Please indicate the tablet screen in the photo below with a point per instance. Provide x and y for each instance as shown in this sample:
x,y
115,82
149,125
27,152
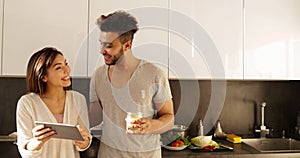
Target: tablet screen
x,y
64,131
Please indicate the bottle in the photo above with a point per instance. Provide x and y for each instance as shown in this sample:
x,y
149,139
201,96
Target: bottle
x,y
200,130
218,132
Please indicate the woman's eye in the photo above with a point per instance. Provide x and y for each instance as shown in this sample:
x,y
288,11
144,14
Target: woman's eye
x,y
57,68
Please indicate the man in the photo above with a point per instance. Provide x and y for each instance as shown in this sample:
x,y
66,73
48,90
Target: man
x,y
126,84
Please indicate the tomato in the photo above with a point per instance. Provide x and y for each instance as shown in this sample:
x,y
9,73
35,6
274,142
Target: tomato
x,y
181,143
175,144
206,147
209,148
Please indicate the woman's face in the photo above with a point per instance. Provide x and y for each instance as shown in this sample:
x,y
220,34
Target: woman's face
x,y
58,74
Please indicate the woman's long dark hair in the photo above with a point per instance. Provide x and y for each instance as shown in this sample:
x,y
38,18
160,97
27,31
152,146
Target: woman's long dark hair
x,y
36,69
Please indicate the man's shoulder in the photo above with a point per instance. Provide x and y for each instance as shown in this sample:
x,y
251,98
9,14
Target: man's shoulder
x,y
149,65
99,70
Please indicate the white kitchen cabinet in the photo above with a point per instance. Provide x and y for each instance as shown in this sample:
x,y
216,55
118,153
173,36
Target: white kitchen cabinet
x,y
32,25
272,39
150,42
206,39
1,20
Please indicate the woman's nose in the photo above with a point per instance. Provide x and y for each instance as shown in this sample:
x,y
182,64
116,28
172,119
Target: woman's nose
x,y
67,69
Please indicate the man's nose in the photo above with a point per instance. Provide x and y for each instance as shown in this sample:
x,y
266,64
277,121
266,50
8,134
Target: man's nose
x,y
102,49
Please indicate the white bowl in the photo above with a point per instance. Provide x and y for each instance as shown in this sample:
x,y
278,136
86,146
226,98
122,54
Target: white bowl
x,y
174,148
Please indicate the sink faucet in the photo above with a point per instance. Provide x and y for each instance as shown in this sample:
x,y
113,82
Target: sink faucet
x,y
263,130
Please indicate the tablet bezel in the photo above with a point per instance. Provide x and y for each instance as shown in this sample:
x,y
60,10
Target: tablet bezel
x,y
63,131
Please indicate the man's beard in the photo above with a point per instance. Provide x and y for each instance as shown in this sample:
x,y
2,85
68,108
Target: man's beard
x,y
117,59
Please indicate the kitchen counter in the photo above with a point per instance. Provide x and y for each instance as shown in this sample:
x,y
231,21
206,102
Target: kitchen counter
x,y
240,151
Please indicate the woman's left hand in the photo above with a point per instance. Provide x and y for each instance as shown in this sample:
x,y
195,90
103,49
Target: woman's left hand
x,y
85,143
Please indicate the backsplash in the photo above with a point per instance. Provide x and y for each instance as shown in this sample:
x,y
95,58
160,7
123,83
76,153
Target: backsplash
x,y
240,113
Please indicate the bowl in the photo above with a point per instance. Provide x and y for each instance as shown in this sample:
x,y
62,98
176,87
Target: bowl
x,y
181,130
171,135
174,148
201,141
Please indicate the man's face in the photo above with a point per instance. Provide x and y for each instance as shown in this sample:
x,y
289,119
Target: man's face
x,y
110,47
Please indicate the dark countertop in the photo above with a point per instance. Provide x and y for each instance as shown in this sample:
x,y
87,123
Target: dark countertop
x,y
240,150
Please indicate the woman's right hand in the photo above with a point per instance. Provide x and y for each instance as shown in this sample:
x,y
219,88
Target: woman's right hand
x,y
40,134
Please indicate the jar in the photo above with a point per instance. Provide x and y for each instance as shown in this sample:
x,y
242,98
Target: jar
x,y
131,117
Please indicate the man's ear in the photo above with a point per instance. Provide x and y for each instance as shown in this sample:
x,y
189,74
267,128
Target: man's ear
x,y
127,45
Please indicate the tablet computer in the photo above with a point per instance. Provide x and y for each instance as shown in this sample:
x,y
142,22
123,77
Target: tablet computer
x,y
63,131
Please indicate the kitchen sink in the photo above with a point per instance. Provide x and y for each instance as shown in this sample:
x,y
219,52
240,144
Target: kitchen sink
x,y
274,144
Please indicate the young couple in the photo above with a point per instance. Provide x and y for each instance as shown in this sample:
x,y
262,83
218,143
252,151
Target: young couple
x,y
124,84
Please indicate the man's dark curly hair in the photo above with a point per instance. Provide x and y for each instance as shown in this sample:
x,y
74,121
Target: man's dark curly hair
x,y
121,22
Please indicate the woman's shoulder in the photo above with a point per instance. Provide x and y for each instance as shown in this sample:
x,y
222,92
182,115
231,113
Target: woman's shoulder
x,y
27,100
29,96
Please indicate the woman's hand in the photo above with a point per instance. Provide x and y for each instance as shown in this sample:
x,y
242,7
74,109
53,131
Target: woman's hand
x,y
85,143
40,134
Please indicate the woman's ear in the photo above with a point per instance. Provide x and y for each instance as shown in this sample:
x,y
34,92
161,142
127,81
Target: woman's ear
x,y
44,79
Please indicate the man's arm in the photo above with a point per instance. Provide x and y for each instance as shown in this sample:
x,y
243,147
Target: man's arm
x,y
165,117
95,113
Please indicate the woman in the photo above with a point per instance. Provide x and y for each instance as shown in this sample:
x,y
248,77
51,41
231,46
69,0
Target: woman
x,y
48,76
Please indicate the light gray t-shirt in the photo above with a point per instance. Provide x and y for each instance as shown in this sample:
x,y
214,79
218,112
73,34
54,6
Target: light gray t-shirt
x,y
147,86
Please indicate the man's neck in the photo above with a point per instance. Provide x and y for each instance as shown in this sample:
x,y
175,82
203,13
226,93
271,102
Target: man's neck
x,y
127,62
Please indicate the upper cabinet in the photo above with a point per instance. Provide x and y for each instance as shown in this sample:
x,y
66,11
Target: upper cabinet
x,y
150,42
206,39
32,25
272,39
192,39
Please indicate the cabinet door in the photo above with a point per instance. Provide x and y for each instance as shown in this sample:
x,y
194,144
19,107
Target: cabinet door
x,y
206,39
1,20
272,39
150,42
32,25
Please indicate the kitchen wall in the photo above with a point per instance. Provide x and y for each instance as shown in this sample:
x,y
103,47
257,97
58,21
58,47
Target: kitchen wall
x,y
240,113
241,110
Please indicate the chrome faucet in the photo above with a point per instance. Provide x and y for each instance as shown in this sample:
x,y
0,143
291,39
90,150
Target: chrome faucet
x,y
263,130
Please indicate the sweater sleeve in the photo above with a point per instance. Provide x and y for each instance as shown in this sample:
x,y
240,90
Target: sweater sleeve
x,y
24,127
83,119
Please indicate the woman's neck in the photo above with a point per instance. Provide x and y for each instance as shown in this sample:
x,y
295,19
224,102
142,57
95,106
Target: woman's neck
x,y
54,94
